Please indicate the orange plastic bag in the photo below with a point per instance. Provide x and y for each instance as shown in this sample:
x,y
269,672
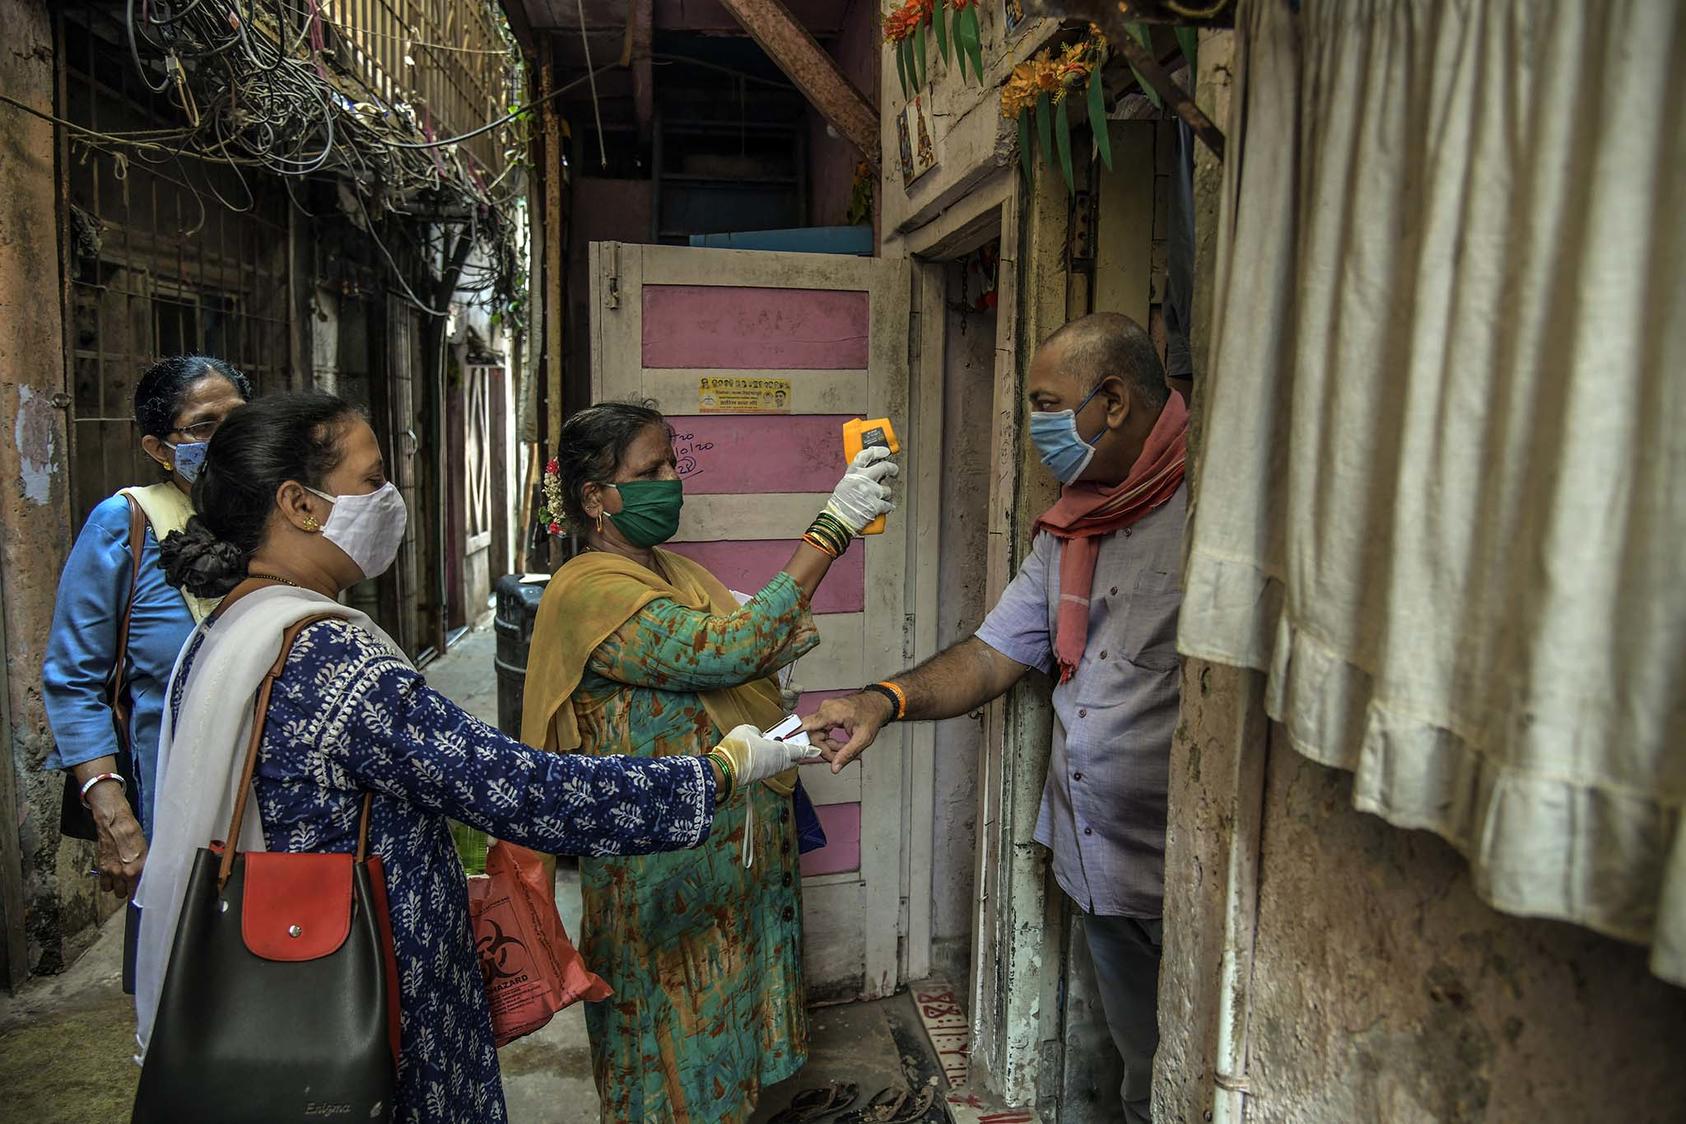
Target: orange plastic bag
x,y
530,968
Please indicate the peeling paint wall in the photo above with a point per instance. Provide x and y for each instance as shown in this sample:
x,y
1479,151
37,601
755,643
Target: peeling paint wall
x,y
34,493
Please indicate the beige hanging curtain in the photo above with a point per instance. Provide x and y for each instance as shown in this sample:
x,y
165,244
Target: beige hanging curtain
x,y
1441,498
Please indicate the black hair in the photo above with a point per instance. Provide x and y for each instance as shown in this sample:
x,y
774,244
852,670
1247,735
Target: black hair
x,y
1109,343
258,448
160,393
592,444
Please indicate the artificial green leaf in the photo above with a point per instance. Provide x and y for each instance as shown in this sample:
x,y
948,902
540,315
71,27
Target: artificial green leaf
x,y
974,41
962,28
1097,117
1062,137
1189,40
1138,32
1024,145
1152,94
939,20
919,56
901,69
1044,126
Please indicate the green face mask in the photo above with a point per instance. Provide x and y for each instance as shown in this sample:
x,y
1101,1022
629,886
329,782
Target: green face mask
x,y
649,513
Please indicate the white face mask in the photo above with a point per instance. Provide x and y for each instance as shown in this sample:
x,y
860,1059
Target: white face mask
x,y
369,528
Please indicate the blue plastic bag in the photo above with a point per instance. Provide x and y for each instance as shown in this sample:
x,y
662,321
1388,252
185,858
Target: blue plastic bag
x,y
810,834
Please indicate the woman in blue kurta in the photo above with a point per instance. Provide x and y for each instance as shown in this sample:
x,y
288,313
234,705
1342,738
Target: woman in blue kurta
x,y
295,508
179,402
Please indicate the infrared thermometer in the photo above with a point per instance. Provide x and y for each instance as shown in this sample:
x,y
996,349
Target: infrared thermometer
x,y
865,433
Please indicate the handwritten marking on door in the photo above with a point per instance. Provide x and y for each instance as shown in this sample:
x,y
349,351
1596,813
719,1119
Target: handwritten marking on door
x,y
686,447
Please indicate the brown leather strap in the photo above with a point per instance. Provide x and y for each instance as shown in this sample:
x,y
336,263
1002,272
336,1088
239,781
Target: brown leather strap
x,y
260,718
119,668
363,827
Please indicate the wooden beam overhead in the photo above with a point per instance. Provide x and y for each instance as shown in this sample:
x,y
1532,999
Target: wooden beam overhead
x,y
813,71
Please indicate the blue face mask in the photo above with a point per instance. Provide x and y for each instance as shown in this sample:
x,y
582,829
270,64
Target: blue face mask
x,y
1064,450
189,458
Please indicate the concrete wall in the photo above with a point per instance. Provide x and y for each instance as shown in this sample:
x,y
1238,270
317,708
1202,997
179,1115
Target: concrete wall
x,y
1381,988
1385,990
42,877
969,135
968,379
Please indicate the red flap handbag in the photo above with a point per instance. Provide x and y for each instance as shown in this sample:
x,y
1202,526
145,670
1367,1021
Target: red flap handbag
x,y
280,1002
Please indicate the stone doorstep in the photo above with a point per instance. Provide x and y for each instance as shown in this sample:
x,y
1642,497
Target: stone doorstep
x,y
950,1035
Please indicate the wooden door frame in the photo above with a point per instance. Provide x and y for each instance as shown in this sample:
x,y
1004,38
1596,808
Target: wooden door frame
x,y
617,271
1016,967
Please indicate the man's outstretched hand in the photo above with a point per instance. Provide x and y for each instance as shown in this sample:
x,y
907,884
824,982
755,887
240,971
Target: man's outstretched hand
x,y
860,716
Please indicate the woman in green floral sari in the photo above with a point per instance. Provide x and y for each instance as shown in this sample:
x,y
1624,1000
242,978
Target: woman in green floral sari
x,y
638,650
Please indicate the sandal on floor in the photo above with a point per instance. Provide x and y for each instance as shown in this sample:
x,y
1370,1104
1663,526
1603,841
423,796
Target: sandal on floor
x,y
893,1106
811,1104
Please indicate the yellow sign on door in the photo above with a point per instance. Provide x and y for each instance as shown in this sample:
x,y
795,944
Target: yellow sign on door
x,y
742,394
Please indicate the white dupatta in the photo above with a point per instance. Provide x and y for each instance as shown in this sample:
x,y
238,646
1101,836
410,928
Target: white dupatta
x,y
201,754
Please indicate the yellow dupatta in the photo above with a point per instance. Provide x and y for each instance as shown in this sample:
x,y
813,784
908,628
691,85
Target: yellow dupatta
x,y
168,509
590,598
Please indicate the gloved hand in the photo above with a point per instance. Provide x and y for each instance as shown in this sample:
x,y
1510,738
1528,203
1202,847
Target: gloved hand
x,y
790,696
862,496
755,758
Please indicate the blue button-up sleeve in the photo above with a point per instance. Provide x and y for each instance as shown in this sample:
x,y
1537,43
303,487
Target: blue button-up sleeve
x,y
1018,625
92,592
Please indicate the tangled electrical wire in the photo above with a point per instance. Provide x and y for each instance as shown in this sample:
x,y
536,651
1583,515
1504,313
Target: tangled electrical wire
x,y
275,86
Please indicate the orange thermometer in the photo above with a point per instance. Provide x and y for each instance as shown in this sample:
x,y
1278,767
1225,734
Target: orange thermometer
x,y
864,433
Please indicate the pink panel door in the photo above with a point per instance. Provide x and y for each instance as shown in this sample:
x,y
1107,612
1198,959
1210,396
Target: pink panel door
x,y
758,359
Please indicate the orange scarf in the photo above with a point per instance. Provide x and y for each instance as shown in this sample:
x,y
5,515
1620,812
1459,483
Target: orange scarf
x,y
1085,512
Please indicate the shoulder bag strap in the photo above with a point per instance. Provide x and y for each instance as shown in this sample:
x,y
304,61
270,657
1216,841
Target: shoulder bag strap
x,y
119,668
260,718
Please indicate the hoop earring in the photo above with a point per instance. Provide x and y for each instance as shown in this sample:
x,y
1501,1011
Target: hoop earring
x,y
600,522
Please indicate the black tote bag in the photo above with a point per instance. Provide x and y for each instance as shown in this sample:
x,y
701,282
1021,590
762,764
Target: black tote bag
x,y
280,1001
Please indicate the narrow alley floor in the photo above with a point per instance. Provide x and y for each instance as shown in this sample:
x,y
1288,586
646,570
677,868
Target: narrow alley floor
x,y
66,1041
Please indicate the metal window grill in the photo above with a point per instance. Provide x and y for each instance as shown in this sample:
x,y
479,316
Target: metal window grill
x,y
164,256
447,58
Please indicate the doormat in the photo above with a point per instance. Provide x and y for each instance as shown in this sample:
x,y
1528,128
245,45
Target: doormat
x,y
951,1037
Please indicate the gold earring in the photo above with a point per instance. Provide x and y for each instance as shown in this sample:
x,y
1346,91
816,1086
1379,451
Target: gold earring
x,y
169,466
600,522
310,524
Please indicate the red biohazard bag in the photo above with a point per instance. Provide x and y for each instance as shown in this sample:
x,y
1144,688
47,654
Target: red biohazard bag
x,y
530,968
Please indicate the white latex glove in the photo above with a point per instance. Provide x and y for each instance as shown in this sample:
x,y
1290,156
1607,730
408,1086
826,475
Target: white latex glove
x,y
755,758
862,496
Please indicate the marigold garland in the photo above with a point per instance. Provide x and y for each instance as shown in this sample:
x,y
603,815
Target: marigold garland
x,y
1056,77
902,22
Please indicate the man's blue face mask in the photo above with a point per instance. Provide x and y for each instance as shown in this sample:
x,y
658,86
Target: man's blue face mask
x,y
1065,451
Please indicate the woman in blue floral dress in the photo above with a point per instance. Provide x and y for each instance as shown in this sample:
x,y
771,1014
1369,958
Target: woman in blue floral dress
x,y
294,508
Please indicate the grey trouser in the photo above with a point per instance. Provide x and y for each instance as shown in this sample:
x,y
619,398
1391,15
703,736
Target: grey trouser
x,y
1125,951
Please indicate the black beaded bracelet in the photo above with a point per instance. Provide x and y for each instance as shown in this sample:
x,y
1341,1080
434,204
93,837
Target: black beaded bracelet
x,y
895,703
